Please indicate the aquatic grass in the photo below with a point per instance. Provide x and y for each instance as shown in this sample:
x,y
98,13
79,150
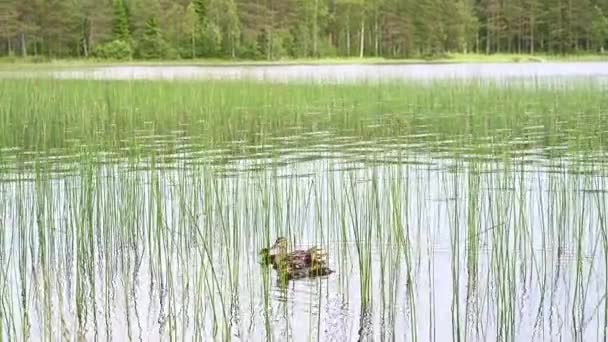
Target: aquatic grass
x,y
453,199
372,210
46,114
600,202
140,213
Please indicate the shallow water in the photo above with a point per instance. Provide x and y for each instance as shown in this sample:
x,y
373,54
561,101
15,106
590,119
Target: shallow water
x,y
432,238
134,243
337,73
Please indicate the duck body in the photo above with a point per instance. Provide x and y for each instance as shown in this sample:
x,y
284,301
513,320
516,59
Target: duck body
x,y
298,259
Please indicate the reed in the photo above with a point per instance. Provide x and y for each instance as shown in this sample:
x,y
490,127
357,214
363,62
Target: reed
x,y
449,210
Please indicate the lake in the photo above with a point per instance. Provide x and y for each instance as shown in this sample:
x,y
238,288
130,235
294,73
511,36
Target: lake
x,y
134,207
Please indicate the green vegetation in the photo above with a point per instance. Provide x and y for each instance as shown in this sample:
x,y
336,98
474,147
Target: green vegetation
x,y
279,29
39,115
116,49
136,209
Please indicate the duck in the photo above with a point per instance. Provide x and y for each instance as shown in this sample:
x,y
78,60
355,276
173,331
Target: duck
x,y
277,255
297,264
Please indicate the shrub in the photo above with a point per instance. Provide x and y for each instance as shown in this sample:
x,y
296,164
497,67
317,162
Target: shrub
x,y
116,49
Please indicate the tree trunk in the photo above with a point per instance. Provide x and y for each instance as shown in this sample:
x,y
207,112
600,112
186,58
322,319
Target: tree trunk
x,y
315,33
362,46
498,37
193,44
23,45
348,40
85,47
269,46
488,37
519,39
532,36
376,36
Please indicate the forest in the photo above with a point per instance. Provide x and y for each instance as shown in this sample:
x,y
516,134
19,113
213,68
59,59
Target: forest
x,y
278,29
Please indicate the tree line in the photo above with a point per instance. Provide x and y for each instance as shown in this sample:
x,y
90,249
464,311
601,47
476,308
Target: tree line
x,y
274,29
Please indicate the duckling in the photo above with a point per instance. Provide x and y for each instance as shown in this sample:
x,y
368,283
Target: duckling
x,y
297,271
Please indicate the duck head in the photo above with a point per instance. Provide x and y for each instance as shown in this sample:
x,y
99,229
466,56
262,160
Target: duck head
x,y
280,246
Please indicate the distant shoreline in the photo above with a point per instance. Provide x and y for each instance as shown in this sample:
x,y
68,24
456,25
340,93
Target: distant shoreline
x,y
8,62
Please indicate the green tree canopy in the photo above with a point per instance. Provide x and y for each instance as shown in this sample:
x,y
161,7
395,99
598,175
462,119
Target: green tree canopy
x,y
272,29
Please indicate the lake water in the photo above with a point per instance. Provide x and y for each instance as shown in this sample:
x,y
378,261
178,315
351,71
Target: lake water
x,y
336,73
430,240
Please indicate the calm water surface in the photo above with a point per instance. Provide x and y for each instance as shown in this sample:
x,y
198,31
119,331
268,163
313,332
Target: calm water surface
x,y
336,73
430,242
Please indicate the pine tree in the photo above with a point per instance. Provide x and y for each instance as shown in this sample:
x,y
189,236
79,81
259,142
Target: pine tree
x,y
493,20
193,29
532,21
453,32
271,29
152,44
430,27
231,29
120,24
97,24
9,24
200,7
29,25
61,27
397,28
175,28
471,25
557,32
599,29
